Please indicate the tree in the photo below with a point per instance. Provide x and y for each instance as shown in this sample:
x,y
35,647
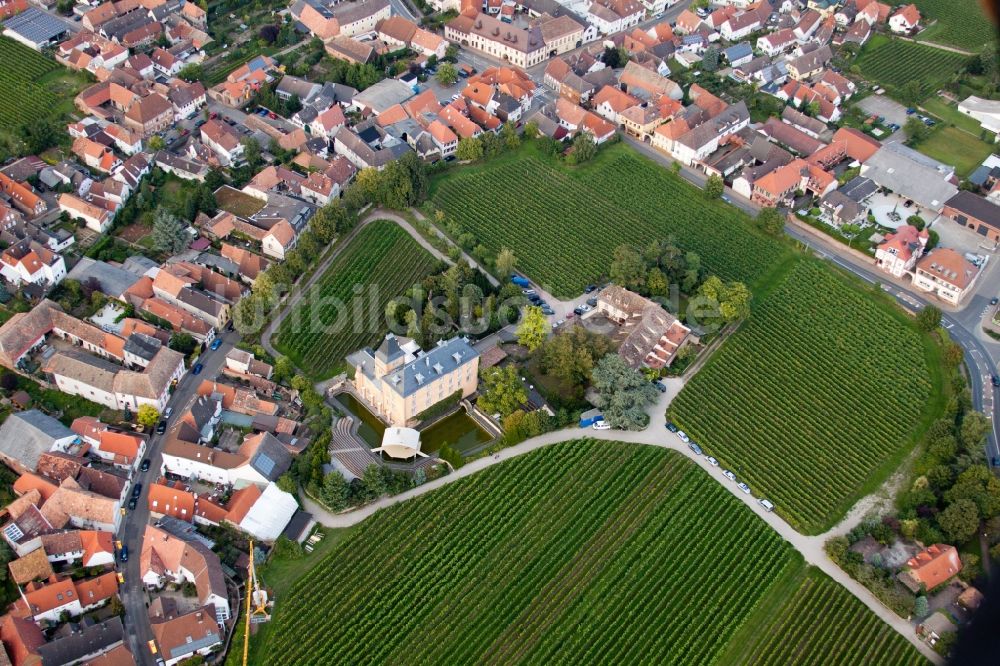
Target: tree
x,y
920,607
534,328
530,130
373,482
446,74
928,319
505,262
335,490
469,149
710,61
156,142
615,57
284,369
771,221
916,130
287,483
183,342
509,136
623,393
584,148
169,234
504,391
269,33
975,426
714,187
628,268
251,153
39,135
912,93
960,520
656,283
572,354
191,72
147,415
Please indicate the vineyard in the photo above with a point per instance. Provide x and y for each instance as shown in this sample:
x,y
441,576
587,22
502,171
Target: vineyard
x,y
894,63
563,227
582,552
21,98
959,23
334,319
808,628
815,396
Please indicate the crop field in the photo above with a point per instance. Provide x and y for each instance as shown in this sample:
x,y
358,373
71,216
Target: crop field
x,y
333,319
563,226
815,396
894,63
808,628
582,552
21,98
959,23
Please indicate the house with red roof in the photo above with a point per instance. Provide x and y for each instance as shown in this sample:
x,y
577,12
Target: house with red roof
x,y
931,568
897,254
906,20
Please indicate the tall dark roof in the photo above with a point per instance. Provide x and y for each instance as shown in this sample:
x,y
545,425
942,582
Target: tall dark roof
x,y
976,206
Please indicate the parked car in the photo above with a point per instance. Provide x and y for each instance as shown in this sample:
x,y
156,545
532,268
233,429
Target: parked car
x,y
132,502
729,475
578,311
585,307
671,427
601,425
694,447
995,380
767,505
910,111
528,292
144,467
660,386
592,302
994,300
547,311
161,427
590,288
559,323
744,487
230,326
216,343
196,370
683,436
167,412
123,554
136,490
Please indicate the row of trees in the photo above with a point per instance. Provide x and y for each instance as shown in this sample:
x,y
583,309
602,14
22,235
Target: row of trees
x,y
488,145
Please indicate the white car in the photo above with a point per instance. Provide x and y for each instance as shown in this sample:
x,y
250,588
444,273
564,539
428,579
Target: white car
x,y
683,436
585,307
559,323
744,487
601,425
712,461
729,475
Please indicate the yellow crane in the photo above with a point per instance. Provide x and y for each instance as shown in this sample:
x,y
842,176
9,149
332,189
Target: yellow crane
x,y
257,604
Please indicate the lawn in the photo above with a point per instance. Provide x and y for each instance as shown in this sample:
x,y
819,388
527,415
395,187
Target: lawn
x,y
335,318
948,112
893,63
583,552
816,398
564,223
959,23
952,145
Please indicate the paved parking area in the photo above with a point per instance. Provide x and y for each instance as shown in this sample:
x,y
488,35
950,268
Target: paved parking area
x,y
956,236
892,111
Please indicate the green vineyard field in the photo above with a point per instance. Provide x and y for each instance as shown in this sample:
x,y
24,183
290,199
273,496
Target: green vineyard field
x,y
334,320
815,394
894,63
581,553
959,23
21,98
564,226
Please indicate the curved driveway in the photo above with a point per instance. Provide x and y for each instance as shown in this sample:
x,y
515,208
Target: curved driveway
x,y
811,547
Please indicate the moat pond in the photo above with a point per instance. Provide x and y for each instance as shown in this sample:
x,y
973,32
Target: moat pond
x,y
459,429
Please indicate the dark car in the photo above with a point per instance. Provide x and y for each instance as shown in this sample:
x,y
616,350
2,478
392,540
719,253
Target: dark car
x,y
590,288
136,490
230,326
144,467
578,311
660,386
132,503
671,427
995,380
592,302
216,343
994,300
161,427
123,554
196,370
910,111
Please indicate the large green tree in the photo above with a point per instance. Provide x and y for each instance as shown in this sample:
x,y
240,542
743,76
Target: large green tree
x,y
169,234
503,391
534,328
623,393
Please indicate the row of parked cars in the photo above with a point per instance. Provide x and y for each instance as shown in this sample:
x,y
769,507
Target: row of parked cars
x,y
715,463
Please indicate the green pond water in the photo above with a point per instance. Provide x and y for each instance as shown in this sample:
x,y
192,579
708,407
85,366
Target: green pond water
x,y
459,430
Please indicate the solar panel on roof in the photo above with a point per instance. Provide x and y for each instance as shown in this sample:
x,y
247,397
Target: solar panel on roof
x,y
264,464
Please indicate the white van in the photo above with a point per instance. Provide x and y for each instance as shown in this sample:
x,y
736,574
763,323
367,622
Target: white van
x,y
767,505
